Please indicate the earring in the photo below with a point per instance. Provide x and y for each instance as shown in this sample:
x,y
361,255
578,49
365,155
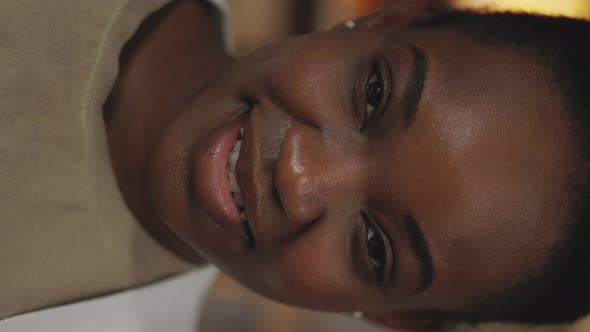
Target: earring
x,y
350,24
357,314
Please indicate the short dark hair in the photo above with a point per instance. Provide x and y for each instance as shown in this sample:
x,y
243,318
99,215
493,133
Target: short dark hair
x,y
562,293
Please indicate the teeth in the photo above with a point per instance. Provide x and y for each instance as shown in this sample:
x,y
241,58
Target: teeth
x,y
242,132
234,188
243,215
231,167
233,183
238,199
234,155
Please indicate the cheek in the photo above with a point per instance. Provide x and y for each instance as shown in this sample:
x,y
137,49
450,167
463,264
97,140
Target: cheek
x,y
315,271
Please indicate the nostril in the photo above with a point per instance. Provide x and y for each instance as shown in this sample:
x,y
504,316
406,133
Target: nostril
x,y
249,101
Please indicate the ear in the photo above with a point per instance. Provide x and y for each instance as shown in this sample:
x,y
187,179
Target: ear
x,y
403,13
409,322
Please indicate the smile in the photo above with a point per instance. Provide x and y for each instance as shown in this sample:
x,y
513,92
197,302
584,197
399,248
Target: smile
x,y
216,185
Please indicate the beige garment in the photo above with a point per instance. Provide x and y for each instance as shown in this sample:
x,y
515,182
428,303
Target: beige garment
x,y
65,233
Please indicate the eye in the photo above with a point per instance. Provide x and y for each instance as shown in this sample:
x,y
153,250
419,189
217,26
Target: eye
x,y
374,95
376,251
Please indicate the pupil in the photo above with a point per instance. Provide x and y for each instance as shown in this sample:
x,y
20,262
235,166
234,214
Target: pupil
x,y
374,93
376,249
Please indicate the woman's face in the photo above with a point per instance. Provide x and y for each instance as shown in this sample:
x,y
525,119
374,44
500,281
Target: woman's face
x,y
379,170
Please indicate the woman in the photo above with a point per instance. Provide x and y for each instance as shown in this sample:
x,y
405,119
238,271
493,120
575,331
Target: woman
x,y
422,170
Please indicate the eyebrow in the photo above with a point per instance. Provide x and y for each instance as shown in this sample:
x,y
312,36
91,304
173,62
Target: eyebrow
x,y
420,247
413,94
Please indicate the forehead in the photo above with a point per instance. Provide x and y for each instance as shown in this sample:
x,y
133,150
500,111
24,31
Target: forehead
x,y
497,112
490,157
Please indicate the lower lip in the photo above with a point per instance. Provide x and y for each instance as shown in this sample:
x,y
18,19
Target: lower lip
x,y
210,174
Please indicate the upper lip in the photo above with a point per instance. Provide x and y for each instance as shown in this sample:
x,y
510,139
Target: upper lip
x,y
267,223
245,174
254,173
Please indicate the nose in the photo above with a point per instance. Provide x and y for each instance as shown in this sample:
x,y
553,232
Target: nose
x,y
299,174
314,174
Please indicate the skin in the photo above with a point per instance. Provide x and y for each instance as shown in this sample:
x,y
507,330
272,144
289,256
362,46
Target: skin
x,y
482,169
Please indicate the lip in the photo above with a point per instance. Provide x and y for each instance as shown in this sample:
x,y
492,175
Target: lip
x,y
209,174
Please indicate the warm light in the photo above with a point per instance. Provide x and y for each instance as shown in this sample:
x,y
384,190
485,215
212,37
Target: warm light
x,y
572,8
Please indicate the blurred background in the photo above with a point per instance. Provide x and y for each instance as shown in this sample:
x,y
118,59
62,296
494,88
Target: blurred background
x,y
258,22
231,308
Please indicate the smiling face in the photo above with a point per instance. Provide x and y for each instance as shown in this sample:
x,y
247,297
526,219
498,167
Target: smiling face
x,y
379,169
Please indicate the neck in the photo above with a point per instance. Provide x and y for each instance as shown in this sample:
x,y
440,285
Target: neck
x,y
173,54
